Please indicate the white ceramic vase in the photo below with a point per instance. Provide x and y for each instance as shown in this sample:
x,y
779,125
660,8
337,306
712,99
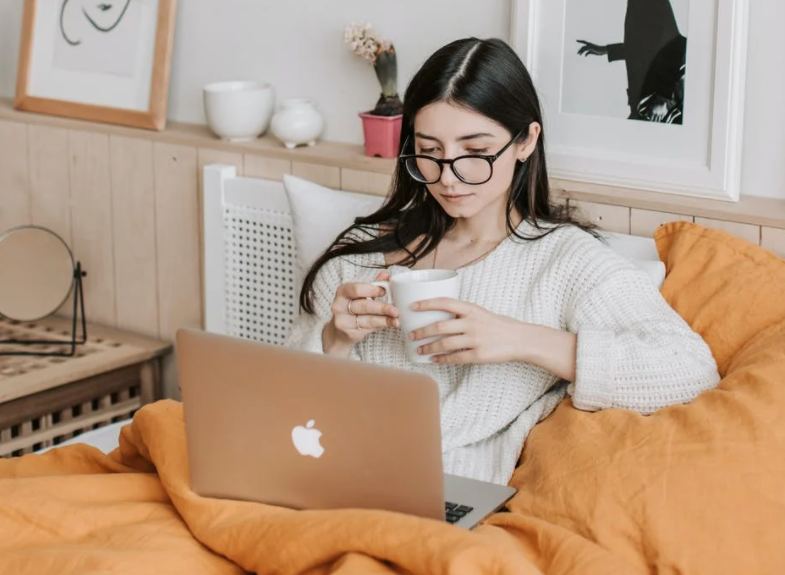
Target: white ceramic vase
x,y
298,122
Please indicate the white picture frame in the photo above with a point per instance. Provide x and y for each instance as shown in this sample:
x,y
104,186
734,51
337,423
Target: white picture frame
x,y
700,158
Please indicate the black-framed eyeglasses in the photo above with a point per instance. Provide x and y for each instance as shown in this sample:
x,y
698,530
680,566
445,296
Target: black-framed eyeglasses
x,y
472,169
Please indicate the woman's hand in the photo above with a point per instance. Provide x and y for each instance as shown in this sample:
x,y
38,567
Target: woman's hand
x,y
477,335
356,315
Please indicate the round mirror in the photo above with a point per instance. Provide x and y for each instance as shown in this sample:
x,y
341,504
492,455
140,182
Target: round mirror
x,y
37,273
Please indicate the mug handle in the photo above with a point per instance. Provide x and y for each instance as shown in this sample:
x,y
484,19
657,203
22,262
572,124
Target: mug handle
x,y
386,285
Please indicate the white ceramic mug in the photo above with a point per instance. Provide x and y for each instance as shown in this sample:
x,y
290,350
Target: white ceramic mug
x,y
406,288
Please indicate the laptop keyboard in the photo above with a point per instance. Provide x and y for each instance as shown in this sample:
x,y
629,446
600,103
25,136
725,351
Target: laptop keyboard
x,y
455,512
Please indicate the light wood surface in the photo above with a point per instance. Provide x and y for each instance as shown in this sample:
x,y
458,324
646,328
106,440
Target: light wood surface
x,y
49,187
177,238
256,166
773,240
133,203
92,239
609,218
644,222
750,209
365,182
329,176
112,349
14,176
745,231
177,235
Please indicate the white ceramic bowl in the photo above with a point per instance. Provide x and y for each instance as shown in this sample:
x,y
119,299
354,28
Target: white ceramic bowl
x,y
238,111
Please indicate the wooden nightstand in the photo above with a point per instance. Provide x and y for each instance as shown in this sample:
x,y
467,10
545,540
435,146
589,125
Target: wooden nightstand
x,y
46,400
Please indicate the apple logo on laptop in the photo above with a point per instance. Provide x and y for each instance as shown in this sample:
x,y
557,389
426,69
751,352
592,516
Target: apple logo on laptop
x,y
306,440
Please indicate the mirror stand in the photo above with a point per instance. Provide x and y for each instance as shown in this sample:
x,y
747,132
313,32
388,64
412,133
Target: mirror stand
x,y
77,318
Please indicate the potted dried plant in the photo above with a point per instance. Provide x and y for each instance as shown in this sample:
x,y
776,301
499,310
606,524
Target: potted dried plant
x,y
382,125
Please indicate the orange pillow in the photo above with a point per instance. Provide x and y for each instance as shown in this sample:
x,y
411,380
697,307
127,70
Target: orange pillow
x,y
726,288
694,488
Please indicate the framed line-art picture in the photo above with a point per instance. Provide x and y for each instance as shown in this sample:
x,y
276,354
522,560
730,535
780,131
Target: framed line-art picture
x,y
105,61
645,94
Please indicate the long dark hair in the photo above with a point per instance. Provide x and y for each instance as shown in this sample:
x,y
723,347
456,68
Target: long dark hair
x,y
486,76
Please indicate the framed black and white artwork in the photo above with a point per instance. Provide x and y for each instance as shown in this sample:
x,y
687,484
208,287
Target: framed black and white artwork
x,y
105,61
645,94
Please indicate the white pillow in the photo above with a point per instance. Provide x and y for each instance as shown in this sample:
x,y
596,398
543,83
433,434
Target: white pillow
x,y
640,251
320,214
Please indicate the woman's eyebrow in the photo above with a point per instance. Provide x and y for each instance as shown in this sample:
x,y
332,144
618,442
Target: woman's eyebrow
x,y
461,139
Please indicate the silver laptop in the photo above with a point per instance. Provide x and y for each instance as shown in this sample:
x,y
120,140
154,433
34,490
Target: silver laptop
x,y
309,431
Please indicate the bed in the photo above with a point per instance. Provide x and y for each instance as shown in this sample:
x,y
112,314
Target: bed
x,y
694,488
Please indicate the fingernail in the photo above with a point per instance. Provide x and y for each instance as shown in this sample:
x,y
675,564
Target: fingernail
x,y
419,350
411,336
396,323
415,306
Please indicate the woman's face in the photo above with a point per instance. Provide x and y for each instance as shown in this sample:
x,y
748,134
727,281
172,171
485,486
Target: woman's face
x,y
446,131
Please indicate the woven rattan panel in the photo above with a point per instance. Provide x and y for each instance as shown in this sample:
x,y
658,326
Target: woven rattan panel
x,y
260,273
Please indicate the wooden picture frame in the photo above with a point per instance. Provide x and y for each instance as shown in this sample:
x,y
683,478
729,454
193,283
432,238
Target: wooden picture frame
x,y
41,85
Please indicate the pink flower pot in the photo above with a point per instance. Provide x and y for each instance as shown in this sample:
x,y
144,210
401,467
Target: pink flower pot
x,y
382,135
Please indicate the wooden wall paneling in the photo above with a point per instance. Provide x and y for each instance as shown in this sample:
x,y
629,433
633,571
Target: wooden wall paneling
x,y
49,181
773,239
49,186
329,176
91,222
365,182
14,176
177,240
645,222
256,166
608,218
748,232
133,195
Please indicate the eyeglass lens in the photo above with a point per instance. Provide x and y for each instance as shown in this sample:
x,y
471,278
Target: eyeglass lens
x,y
470,170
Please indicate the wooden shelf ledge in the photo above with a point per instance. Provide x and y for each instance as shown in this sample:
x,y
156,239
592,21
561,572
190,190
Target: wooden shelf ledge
x,y
198,135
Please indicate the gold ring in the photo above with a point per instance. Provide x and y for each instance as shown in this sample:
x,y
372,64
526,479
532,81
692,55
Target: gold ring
x,y
349,307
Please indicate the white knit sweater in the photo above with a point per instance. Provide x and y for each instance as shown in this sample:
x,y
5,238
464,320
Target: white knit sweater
x,y
634,352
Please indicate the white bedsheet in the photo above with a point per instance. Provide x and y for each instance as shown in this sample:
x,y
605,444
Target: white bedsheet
x,y
104,438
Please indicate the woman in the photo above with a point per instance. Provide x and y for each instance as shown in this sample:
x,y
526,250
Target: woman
x,y
543,302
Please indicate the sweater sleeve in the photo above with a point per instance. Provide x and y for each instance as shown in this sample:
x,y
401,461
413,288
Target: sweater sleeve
x,y
634,351
306,330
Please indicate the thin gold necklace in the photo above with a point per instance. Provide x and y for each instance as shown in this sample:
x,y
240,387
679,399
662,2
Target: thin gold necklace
x,y
475,260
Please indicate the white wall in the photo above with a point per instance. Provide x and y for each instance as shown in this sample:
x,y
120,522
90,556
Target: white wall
x,y
297,45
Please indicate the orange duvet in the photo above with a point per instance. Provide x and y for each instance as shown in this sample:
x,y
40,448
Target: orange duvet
x,y
695,489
